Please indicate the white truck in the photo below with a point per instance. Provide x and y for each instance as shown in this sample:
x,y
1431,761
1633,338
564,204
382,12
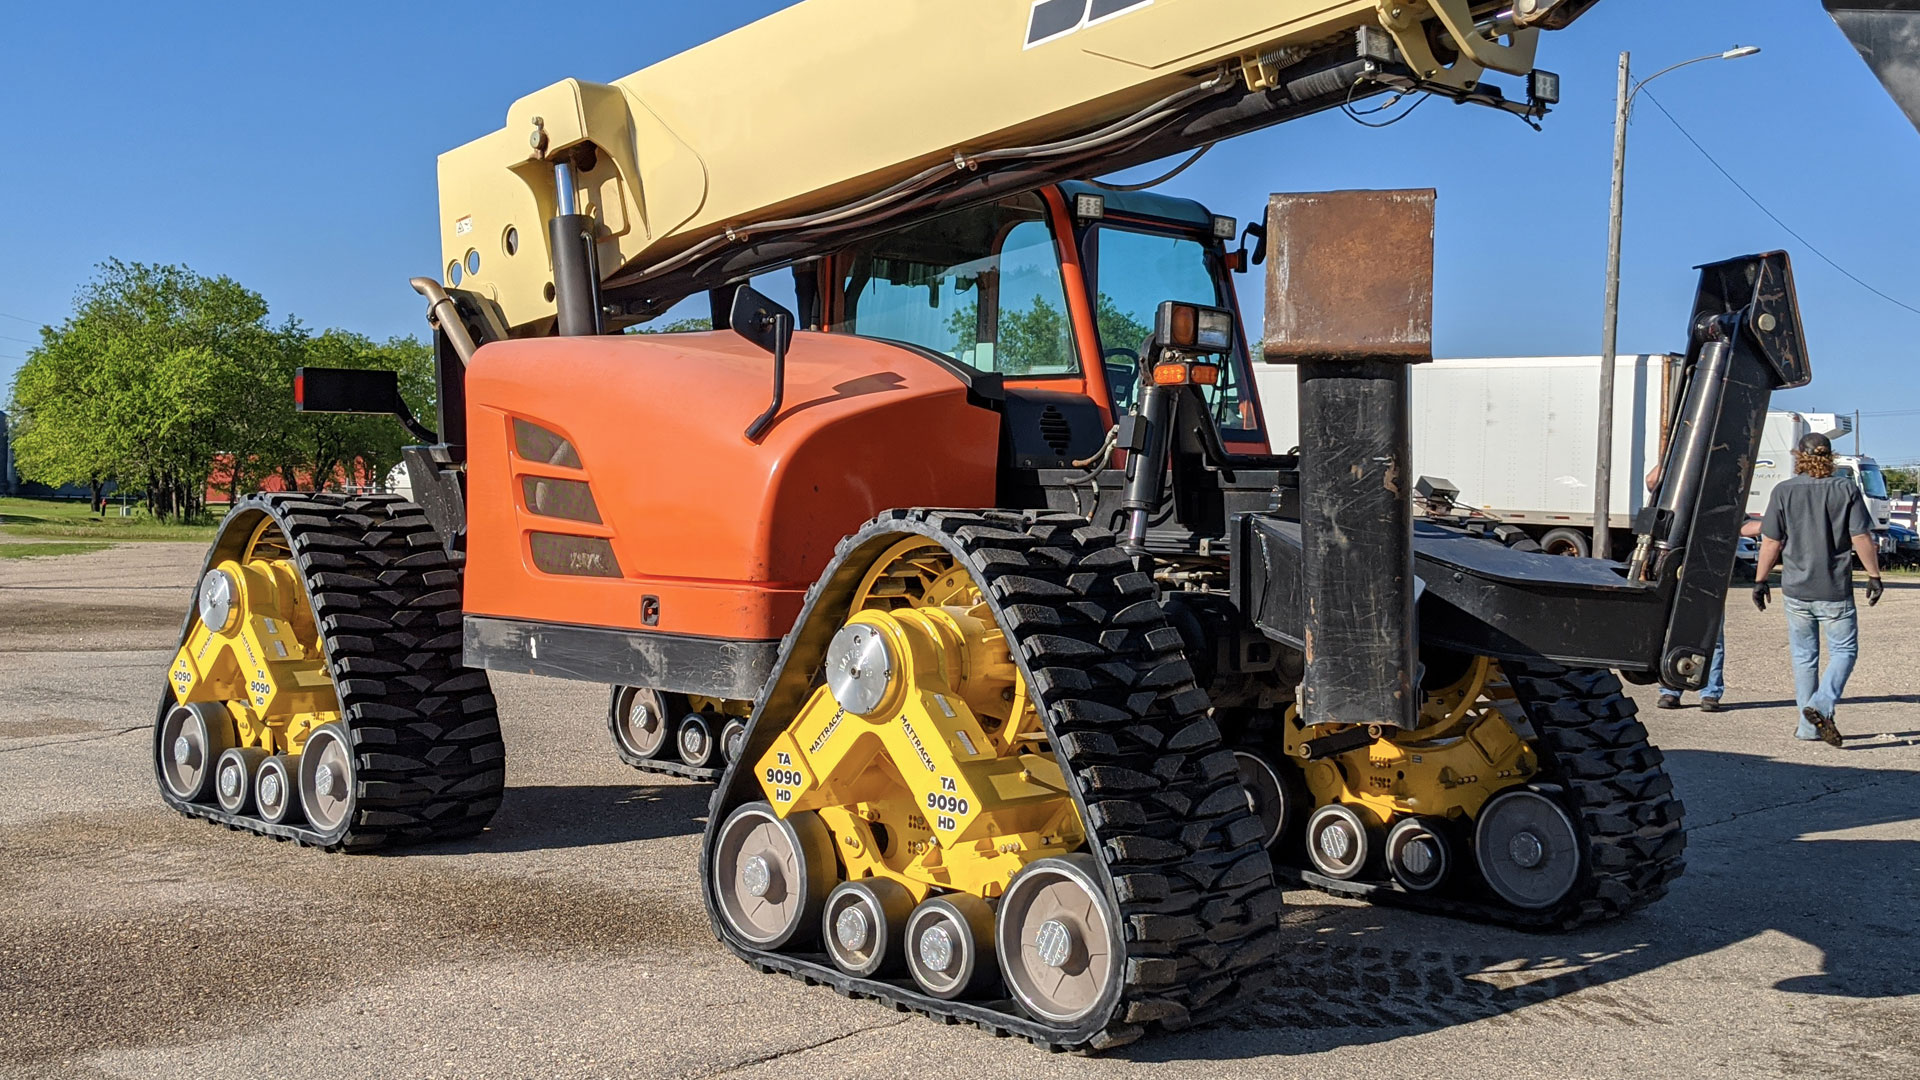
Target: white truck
x,y
1783,432
1516,436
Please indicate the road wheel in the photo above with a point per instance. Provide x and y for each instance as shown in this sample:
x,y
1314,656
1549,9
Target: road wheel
x,y
233,777
865,926
1338,841
276,789
1571,542
950,946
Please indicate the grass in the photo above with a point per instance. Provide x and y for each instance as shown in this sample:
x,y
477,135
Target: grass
x,y
29,551
53,520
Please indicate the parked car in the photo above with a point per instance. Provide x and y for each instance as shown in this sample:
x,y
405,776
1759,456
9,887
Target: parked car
x,y
1906,547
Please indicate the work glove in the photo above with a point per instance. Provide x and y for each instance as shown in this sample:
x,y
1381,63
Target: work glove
x,y
1874,588
1763,592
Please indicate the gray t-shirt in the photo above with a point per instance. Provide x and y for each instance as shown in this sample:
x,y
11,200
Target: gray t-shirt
x,y
1815,521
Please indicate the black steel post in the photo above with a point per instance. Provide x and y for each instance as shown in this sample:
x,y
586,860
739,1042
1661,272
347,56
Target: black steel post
x,y
1356,523
1350,301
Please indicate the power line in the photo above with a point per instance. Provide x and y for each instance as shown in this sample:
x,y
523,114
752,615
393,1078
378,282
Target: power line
x,y
22,318
21,340
1848,274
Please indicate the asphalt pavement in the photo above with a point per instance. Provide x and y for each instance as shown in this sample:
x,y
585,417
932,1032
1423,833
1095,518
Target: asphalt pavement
x,y
569,939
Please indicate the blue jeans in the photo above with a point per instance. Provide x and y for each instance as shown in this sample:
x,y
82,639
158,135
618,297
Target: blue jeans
x,y
1716,685
1807,622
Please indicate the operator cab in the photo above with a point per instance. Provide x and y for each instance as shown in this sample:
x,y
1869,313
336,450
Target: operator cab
x,y
1053,292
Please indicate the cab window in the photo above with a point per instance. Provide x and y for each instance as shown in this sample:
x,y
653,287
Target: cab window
x,y
981,285
1135,271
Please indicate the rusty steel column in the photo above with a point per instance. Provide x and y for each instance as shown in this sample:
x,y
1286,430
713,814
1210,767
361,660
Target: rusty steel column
x,y
1350,300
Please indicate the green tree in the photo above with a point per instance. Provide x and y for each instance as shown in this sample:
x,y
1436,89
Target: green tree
x,y
1901,480
141,384
1038,338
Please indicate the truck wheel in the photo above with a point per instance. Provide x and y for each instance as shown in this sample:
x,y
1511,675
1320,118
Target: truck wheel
x,y
1566,542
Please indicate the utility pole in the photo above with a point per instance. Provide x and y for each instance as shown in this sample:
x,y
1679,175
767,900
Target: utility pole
x,y
1609,333
1856,433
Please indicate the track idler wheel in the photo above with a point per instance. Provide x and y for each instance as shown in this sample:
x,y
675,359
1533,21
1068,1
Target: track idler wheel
x,y
733,739
192,739
233,777
276,789
950,946
865,927
1059,940
1339,841
772,875
1275,794
327,777
1419,855
1527,848
640,723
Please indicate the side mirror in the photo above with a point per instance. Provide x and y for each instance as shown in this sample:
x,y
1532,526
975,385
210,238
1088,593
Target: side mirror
x,y
355,391
1240,260
769,326
760,320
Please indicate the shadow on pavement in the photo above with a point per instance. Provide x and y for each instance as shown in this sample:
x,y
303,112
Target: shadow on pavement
x,y
1370,974
540,818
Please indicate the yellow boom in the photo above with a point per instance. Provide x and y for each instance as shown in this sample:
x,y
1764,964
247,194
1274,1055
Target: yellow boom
x,y
833,114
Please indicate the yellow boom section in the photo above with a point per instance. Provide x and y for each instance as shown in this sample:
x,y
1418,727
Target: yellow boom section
x,y
827,102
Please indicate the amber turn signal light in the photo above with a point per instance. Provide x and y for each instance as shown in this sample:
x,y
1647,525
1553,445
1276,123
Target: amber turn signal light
x,y
1179,374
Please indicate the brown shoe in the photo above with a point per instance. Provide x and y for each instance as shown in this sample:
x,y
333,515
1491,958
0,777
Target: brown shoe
x,y
1822,724
1709,704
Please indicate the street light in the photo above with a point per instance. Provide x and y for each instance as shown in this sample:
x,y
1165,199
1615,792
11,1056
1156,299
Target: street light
x,y
1609,335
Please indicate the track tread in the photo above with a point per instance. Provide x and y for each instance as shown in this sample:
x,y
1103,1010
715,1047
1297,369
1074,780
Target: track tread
x,y
1198,905
425,728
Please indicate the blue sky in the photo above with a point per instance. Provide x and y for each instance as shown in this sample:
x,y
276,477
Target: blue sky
x,y
293,147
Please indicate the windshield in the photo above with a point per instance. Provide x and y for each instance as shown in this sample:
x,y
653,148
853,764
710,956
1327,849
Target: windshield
x,y
981,285
1136,270
1872,482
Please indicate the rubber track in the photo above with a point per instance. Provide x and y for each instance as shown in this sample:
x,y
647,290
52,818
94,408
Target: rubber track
x,y
1600,763
1157,788
429,762
663,766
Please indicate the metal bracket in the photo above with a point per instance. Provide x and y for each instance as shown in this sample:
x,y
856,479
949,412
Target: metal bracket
x,y
1477,45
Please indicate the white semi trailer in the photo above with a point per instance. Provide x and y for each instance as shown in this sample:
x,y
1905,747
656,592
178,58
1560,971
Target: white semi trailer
x,y
1516,435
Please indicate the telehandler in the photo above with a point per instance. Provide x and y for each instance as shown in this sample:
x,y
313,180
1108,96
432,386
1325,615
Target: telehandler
x,y
1031,661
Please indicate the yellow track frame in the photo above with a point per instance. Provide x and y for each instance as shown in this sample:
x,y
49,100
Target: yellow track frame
x,y
266,665
1468,748
949,783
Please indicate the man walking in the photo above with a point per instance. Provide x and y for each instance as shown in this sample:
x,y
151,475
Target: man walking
x,y
1818,522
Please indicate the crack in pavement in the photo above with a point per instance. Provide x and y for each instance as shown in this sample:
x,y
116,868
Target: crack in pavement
x,y
1809,800
777,1054
77,739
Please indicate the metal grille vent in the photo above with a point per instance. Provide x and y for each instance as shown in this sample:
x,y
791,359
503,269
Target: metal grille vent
x,y
1055,430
